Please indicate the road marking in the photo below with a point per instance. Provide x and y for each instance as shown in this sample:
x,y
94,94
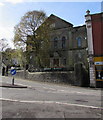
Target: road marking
x,y
49,88
72,92
50,102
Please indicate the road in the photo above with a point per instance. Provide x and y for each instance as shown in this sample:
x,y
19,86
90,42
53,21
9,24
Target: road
x,y
48,100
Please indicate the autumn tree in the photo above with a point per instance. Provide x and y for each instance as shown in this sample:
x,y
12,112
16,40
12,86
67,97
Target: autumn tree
x,y
3,46
30,35
7,57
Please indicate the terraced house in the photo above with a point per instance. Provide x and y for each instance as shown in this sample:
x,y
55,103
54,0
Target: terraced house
x,y
68,44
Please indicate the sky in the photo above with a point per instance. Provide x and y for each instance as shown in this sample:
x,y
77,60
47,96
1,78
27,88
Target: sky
x,y
11,12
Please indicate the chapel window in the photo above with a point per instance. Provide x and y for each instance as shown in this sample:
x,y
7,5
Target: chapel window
x,y
79,41
55,42
63,41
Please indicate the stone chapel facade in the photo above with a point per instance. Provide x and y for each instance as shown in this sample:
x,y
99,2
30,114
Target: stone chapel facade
x,y
68,44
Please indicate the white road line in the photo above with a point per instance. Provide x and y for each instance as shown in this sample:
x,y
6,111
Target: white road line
x,y
72,92
51,89
50,102
67,91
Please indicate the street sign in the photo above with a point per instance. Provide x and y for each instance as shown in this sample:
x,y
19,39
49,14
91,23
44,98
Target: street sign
x,y
98,63
13,71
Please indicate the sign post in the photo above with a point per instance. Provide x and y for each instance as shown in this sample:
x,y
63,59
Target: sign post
x,y
13,72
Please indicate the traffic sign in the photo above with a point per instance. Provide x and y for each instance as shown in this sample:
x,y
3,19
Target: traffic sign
x,y
13,71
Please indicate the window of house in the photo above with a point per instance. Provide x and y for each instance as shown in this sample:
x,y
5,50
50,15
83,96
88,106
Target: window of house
x,y
63,42
64,61
79,41
79,55
56,62
55,42
52,25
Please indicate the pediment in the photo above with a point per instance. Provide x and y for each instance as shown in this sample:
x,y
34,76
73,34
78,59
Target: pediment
x,y
58,23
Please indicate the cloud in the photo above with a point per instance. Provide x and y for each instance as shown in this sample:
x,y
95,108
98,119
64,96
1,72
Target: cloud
x,y
7,33
1,4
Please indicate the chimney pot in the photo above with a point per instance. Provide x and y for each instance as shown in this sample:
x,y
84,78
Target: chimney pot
x,y
88,12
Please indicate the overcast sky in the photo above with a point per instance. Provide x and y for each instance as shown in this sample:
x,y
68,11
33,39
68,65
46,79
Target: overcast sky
x,y
11,12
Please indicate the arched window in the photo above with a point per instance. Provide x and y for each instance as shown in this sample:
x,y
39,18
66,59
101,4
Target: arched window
x,y
63,41
52,25
55,42
79,41
64,61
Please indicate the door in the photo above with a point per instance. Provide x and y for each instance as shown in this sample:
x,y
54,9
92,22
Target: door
x,y
56,62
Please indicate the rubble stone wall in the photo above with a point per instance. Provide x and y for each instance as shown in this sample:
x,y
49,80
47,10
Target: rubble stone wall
x,y
56,77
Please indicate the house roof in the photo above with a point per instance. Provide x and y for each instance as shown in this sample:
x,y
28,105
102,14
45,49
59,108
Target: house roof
x,y
54,16
59,23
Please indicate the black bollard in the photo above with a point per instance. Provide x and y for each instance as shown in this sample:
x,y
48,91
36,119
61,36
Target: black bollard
x,y
13,81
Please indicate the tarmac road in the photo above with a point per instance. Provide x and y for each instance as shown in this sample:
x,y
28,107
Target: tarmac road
x,y
47,100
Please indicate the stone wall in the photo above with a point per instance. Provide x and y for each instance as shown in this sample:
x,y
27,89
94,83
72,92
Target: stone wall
x,y
81,75
56,77
78,77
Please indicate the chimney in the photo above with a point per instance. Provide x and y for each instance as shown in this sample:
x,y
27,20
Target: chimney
x,y
88,12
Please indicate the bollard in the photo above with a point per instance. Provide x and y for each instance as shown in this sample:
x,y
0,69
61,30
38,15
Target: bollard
x,y
13,81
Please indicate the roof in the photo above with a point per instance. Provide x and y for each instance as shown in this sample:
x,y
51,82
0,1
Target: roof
x,y
54,16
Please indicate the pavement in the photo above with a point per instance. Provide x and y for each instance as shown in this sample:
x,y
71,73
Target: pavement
x,y
8,85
